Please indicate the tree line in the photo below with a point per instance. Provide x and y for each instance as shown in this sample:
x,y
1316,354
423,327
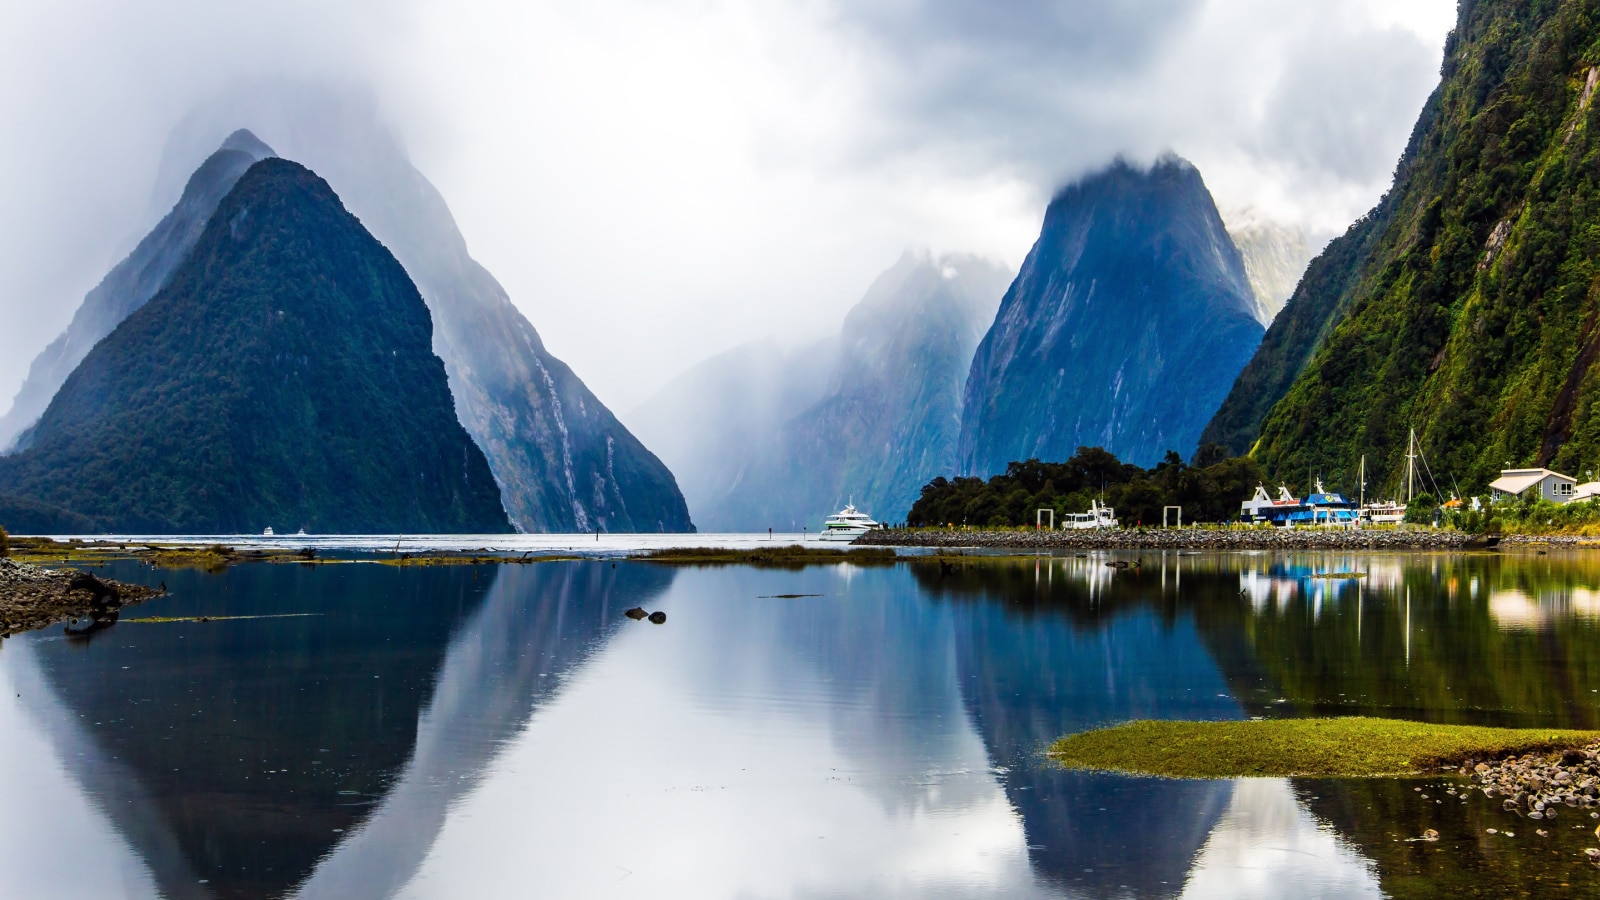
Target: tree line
x,y
1210,489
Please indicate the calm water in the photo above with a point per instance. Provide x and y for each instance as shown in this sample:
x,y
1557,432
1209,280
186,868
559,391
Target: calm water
x,y
505,731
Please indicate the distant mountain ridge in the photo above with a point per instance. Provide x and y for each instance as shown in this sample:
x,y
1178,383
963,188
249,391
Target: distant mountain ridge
x,y
1124,329
132,282
1275,256
283,377
786,438
712,423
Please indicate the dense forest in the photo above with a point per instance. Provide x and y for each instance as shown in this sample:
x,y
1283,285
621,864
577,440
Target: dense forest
x,y
1210,490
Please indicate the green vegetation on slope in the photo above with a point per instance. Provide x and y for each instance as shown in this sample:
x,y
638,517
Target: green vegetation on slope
x,y
1476,315
1209,491
1350,747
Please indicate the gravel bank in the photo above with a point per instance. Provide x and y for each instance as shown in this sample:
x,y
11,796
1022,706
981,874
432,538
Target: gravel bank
x,y
1539,786
33,597
1179,539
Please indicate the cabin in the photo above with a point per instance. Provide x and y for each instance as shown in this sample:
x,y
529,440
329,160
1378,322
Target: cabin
x,y
1533,483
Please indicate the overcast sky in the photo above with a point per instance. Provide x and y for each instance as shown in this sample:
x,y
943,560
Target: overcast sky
x,y
656,180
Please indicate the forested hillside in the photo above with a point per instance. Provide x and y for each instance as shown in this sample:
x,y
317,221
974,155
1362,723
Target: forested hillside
x,y
1470,295
284,377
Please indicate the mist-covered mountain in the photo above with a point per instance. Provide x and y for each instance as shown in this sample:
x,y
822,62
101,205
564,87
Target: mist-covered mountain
x,y
562,460
784,440
1125,328
1464,304
713,422
284,377
133,281
1275,256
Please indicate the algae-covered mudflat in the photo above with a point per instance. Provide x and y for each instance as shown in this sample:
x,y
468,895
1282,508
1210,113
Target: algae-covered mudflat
x,y
1345,747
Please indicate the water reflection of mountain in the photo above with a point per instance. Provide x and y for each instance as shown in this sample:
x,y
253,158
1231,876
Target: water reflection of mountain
x,y
240,753
537,624
1058,647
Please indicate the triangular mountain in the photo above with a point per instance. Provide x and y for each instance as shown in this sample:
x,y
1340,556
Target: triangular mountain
x,y
1128,322
133,281
283,378
562,460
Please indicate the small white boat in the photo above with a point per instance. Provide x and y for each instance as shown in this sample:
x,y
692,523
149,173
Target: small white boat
x,y
847,524
1384,512
268,532
1097,517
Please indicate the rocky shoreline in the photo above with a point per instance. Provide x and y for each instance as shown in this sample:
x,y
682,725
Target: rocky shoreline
x,y
1543,787
1537,785
33,597
1204,539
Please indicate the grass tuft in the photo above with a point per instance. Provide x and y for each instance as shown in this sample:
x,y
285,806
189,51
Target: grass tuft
x,y
1355,747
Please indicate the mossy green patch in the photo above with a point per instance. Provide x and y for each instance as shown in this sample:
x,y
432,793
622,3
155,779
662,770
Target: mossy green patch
x,y
1355,747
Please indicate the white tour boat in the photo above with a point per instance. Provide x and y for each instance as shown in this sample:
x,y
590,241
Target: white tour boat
x,y
847,524
1097,517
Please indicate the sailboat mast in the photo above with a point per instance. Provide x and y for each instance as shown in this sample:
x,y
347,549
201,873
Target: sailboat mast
x,y
1411,466
1362,490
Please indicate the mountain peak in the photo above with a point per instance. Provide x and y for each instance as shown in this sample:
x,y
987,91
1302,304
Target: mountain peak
x,y
1133,289
245,141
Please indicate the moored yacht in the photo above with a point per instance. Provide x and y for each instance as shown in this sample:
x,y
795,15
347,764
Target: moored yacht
x,y
847,524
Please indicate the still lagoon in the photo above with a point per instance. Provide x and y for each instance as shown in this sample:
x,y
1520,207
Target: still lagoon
x,y
360,730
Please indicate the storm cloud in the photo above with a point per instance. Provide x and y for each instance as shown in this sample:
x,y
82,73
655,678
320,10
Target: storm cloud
x,y
656,181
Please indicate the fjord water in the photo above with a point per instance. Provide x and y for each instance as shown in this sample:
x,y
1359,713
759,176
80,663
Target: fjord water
x,y
836,731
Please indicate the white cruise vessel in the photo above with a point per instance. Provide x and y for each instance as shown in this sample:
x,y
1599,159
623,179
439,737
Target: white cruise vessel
x,y
847,524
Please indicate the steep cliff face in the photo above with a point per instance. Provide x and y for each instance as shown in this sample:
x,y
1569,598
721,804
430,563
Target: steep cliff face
x,y
284,377
132,282
563,461
1129,320
1468,312
787,438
